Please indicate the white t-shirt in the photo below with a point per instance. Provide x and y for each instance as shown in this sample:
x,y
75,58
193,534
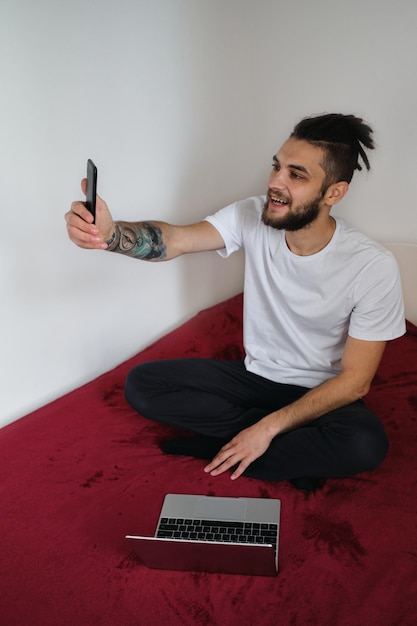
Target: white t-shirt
x,y
299,310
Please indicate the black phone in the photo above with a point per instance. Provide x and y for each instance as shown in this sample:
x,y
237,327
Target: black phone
x,y
90,201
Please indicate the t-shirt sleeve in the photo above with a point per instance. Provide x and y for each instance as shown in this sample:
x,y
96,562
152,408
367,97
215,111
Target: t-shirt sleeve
x,y
225,222
234,220
378,314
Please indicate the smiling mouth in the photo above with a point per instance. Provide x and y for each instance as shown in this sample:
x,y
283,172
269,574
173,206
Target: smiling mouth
x,y
278,201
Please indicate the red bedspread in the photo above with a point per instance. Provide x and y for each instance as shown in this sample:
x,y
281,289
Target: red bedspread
x,y
80,473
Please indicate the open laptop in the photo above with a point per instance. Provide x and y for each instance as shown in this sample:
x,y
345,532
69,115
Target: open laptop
x,y
214,534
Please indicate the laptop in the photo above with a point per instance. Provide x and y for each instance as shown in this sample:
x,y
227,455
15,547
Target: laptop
x,y
213,534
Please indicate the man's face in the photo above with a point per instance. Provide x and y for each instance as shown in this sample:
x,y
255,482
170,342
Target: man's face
x,y
295,186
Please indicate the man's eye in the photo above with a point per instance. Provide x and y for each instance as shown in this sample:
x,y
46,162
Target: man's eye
x,y
297,176
275,166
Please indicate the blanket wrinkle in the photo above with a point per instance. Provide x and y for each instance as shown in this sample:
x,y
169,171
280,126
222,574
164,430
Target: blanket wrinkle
x,y
338,537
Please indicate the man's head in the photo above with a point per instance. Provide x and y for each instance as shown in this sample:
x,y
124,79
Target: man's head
x,y
342,138
313,169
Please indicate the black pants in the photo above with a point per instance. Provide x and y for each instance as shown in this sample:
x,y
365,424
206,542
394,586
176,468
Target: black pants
x,y
219,399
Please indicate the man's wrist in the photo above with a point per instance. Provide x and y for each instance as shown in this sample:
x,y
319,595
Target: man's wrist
x,y
113,242
272,425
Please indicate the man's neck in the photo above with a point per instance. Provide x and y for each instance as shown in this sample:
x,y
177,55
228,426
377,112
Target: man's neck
x,y
312,238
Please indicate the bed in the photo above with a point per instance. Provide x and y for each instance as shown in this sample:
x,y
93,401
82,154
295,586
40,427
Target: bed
x,y
82,472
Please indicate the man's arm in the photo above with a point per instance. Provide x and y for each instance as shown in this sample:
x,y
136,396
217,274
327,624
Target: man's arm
x,y
149,241
359,364
159,241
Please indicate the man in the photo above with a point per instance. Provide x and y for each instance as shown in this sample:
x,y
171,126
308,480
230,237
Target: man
x,y
320,302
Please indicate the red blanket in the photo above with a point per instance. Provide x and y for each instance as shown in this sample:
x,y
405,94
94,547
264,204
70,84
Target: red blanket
x,y
80,473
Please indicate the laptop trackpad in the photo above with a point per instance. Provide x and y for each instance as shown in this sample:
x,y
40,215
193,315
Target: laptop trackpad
x,y
221,508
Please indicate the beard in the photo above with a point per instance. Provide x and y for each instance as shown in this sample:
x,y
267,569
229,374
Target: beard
x,y
304,215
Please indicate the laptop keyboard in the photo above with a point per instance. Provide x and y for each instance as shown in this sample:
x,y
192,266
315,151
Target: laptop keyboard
x,y
213,530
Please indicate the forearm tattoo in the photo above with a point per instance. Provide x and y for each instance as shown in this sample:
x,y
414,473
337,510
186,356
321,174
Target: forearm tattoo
x,y
142,240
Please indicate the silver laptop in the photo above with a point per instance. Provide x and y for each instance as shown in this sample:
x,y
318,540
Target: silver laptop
x,y
214,534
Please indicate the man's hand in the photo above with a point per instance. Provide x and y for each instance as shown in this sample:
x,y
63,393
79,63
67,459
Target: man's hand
x,y
242,450
359,364
81,229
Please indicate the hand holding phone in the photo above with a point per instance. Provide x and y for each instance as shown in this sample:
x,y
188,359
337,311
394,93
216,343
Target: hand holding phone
x,y
90,201
81,230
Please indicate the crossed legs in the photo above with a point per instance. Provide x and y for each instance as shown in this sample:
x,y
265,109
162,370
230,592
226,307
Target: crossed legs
x,y
218,399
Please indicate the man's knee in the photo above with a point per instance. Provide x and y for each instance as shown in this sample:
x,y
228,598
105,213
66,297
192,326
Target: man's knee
x,y
134,389
360,439
371,447
363,444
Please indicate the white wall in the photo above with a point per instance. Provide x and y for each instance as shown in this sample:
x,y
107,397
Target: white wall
x,y
181,103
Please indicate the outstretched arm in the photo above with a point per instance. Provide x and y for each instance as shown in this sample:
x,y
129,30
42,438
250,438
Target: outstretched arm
x,y
149,241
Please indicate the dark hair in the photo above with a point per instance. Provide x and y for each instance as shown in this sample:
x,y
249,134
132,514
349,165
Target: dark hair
x,y
342,138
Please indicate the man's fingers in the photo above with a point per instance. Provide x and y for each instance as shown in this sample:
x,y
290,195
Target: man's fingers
x,y
240,452
239,470
217,467
79,210
85,240
221,462
228,458
80,229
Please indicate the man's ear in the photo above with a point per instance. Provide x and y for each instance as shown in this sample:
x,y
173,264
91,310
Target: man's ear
x,y
336,192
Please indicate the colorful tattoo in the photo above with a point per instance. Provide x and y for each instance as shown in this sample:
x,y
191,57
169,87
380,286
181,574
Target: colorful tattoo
x,y
142,240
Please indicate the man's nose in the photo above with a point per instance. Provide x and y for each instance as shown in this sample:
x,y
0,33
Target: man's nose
x,y
277,179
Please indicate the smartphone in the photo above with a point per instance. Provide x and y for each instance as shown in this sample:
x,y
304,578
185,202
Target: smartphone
x,y
90,201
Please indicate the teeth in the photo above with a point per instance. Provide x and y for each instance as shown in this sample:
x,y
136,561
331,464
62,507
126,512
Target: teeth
x,y
279,200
